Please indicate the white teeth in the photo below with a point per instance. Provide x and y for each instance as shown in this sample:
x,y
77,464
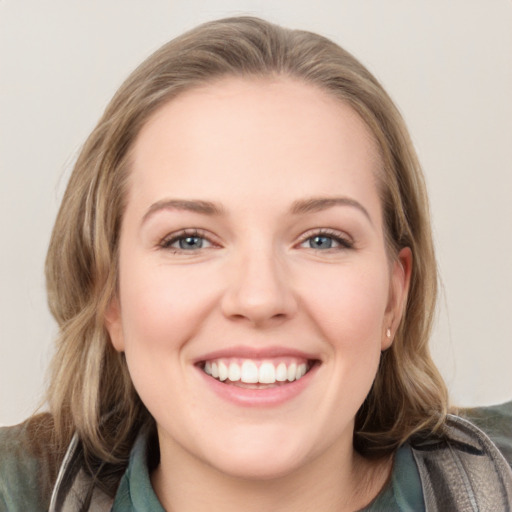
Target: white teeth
x,y
249,372
267,373
234,372
292,372
281,372
223,371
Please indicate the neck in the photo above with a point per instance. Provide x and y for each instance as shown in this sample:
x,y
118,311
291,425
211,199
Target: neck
x,y
334,482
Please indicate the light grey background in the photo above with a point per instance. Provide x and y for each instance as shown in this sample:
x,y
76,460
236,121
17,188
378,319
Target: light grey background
x,y
447,64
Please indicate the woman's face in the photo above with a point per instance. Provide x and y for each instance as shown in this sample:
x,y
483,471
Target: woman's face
x,y
251,251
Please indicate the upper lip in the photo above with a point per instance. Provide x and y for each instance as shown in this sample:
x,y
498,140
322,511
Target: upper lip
x,y
247,352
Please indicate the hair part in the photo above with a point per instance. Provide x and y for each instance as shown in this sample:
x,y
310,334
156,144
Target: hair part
x,y
90,390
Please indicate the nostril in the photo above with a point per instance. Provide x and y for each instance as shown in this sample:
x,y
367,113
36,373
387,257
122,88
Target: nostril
x,y
258,293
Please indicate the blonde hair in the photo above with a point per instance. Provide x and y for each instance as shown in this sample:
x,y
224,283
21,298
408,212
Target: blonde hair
x,y
90,390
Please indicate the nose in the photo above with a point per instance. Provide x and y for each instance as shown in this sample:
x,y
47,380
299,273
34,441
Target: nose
x,y
259,289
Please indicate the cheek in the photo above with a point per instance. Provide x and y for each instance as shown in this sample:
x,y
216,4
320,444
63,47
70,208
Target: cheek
x,y
161,305
349,305
161,310
349,309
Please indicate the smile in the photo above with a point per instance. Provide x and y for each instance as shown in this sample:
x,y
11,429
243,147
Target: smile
x,y
256,376
257,371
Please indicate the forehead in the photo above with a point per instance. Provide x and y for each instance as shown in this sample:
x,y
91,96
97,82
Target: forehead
x,y
252,132
245,101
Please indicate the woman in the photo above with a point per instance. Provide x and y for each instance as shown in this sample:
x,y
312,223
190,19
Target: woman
x,y
243,275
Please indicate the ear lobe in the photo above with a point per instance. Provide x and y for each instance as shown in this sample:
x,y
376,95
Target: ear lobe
x,y
399,288
113,324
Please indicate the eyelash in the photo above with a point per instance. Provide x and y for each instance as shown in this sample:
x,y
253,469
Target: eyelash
x,y
168,241
343,242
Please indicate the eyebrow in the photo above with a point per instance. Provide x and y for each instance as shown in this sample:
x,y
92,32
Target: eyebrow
x,y
301,206
317,204
191,205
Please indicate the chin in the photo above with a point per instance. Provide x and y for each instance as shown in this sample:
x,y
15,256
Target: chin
x,y
259,467
260,458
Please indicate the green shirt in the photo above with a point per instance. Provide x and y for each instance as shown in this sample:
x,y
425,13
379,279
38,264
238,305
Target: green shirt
x,y
25,472
402,493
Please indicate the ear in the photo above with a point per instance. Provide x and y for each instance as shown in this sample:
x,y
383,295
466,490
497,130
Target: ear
x,y
113,324
399,288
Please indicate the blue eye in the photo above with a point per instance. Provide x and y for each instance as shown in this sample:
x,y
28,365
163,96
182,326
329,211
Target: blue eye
x,y
186,242
190,243
326,241
320,242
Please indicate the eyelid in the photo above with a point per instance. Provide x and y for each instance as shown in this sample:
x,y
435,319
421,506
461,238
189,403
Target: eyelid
x,y
167,241
345,240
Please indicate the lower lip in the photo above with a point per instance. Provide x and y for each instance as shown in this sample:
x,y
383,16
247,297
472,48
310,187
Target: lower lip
x,y
263,397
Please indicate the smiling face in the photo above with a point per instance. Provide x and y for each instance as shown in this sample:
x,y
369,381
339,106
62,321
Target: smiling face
x,y
255,289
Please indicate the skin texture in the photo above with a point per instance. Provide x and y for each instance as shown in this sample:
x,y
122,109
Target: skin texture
x,y
255,148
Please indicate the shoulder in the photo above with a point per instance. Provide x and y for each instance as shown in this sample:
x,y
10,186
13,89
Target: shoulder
x,y
28,465
463,466
496,422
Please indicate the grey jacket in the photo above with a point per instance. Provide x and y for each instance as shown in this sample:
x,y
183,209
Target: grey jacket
x,y
462,472
465,472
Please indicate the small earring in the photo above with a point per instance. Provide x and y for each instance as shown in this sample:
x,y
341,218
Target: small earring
x,y
388,332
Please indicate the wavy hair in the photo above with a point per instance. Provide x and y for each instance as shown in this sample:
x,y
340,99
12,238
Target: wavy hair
x,y
90,389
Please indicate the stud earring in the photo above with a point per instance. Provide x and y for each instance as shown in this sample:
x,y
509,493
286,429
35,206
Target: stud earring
x,y
388,332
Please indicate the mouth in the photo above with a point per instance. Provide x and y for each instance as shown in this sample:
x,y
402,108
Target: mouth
x,y
257,373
